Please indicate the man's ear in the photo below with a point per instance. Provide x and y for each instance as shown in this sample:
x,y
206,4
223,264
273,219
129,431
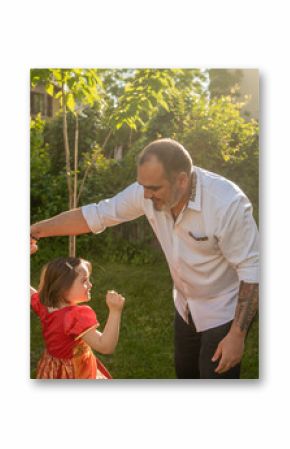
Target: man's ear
x,y
183,179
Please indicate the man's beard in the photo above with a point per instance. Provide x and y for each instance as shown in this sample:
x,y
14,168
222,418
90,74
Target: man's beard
x,y
174,199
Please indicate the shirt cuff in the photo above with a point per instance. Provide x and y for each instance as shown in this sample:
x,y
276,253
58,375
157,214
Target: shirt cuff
x,y
249,275
90,214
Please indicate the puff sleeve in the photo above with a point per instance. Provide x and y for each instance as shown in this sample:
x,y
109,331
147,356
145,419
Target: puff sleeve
x,y
79,320
37,306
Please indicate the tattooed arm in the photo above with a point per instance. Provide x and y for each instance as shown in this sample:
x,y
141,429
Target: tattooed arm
x,y
247,305
231,348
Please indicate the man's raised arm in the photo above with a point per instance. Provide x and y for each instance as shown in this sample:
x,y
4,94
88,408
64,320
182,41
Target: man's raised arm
x,y
70,222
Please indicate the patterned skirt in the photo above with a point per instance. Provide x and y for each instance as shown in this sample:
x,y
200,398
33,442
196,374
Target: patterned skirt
x,y
82,365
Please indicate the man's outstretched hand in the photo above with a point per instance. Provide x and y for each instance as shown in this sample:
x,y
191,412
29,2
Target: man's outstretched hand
x,y
33,245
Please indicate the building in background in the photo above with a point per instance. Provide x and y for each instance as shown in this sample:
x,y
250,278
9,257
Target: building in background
x,y
43,103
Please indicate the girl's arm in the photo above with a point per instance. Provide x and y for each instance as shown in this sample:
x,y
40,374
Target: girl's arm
x,y
106,342
32,291
33,249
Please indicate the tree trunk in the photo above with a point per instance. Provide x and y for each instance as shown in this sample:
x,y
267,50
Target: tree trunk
x,y
76,156
67,162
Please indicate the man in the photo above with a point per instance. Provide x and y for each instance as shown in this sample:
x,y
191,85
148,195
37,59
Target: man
x,y
205,226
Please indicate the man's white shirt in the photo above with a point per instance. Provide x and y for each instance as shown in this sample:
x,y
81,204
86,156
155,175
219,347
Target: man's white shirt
x,y
210,248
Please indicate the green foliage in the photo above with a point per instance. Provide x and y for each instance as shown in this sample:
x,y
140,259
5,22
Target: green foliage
x,y
45,201
140,98
224,82
77,87
89,135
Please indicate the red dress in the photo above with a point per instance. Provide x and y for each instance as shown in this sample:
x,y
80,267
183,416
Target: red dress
x,y
67,355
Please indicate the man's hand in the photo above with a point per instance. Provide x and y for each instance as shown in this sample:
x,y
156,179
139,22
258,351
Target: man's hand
x,y
229,351
33,245
34,232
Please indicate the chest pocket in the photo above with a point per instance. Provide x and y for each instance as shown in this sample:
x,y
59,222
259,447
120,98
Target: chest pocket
x,y
197,237
202,243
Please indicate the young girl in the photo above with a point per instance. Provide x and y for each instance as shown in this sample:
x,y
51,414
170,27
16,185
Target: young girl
x,y
69,329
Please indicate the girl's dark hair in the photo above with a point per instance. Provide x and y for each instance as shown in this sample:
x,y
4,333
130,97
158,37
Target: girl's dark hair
x,y
57,277
172,155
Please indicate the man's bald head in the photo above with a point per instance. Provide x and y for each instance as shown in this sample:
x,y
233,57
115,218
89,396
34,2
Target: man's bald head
x,y
171,154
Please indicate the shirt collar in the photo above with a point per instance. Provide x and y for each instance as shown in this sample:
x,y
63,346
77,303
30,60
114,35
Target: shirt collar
x,y
195,197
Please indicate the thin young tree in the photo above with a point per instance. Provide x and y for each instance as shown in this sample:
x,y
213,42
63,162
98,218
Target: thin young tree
x,y
75,89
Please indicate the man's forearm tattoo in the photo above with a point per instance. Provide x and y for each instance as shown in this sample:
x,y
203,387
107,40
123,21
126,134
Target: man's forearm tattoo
x,y
247,304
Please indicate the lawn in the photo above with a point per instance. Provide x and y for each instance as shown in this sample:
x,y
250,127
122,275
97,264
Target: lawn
x,y
145,348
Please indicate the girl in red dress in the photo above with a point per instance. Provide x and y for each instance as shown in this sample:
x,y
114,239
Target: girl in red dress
x,y
68,327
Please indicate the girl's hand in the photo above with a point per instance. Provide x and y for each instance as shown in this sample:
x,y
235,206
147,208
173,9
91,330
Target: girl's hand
x,y
33,245
114,300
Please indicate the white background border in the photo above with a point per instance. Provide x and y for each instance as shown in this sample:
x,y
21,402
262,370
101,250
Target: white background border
x,y
133,34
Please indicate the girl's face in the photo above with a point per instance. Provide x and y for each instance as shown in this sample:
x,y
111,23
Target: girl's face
x,y
81,287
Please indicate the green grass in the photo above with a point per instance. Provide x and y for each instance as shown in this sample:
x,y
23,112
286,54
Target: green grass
x,y
145,348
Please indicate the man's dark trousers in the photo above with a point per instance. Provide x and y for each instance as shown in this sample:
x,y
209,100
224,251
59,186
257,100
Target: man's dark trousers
x,y
194,351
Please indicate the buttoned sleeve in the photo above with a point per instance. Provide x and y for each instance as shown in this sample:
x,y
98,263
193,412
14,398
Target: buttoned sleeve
x,y
125,206
238,239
